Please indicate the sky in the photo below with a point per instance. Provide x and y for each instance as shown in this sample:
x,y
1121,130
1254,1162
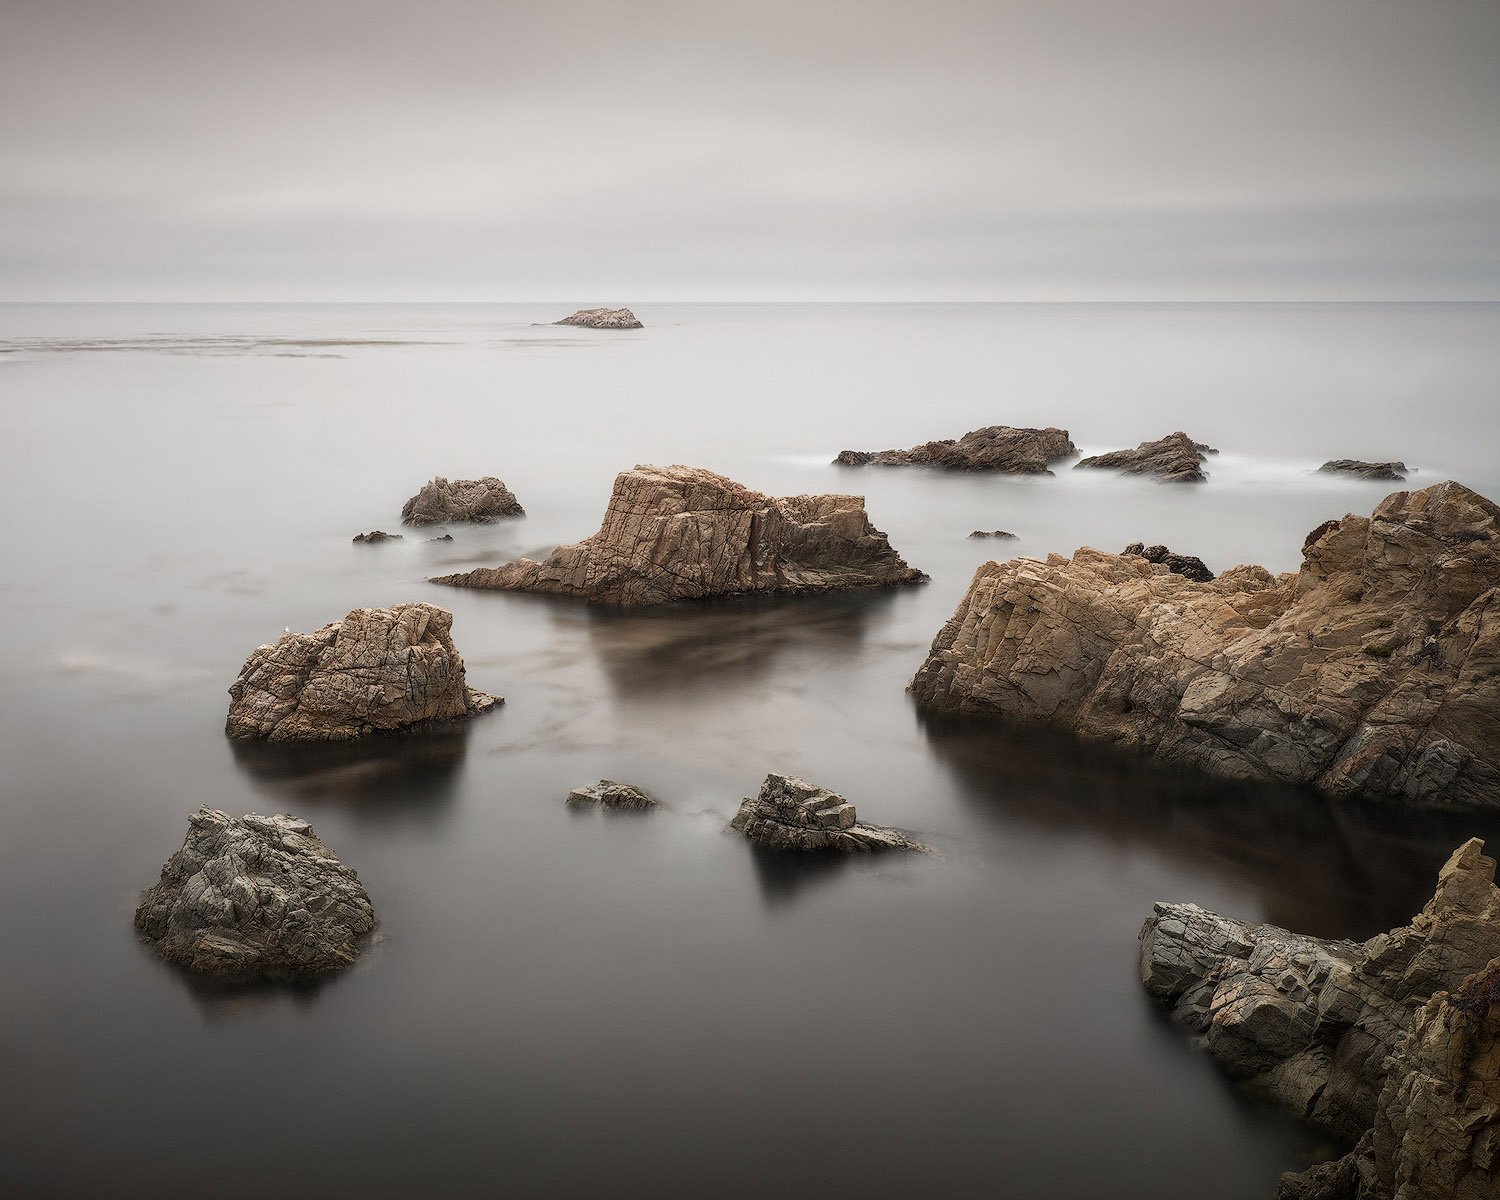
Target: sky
x,y
347,150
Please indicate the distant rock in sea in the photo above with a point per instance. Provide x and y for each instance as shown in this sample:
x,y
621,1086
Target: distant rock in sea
x,y
791,814
454,501
680,533
1000,448
377,671
608,794
1175,458
251,898
377,535
1374,669
1189,566
447,537
993,533
1384,471
602,318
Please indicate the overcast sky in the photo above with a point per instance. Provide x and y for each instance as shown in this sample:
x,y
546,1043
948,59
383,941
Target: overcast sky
x,y
639,151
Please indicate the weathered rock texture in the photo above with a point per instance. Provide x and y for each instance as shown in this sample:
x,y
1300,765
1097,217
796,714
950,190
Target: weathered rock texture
x,y
376,671
611,795
1375,668
1000,448
1175,457
1366,470
1393,1040
602,318
791,814
679,533
255,897
377,535
450,501
993,533
1189,566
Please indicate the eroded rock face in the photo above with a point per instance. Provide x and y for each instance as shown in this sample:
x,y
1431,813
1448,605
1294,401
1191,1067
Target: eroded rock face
x,y
1315,1024
602,318
1176,458
791,814
377,535
1366,470
1189,566
1001,448
680,533
255,897
611,795
1375,668
376,671
451,501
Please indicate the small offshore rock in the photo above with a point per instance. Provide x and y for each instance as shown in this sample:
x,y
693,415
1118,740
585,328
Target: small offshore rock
x,y
1189,566
447,537
378,535
1175,458
1005,449
1393,471
993,533
451,501
602,318
791,814
611,795
252,897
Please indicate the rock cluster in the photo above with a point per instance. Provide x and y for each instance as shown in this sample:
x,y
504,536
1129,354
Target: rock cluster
x,y
791,814
611,795
376,671
602,318
1176,458
1395,471
450,501
1375,668
1394,1041
993,533
377,535
679,533
1001,448
1189,566
252,897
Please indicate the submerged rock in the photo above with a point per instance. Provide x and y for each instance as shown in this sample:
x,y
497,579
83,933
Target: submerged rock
x,y
993,533
1395,1041
378,535
679,533
609,794
1001,448
376,671
791,814
447,537
451,501
1189,566
1374,669
1176,458
602,318
1395,471
254,897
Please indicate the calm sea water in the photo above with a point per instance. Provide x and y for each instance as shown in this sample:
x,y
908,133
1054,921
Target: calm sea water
x,y
560,1004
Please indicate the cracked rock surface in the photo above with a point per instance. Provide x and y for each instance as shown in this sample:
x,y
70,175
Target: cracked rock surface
x,y
376,671
609,794
791,814
1176,458
1374,669
1395,471
253,897
1002,448
1390,1041
451,501
602,318
680,533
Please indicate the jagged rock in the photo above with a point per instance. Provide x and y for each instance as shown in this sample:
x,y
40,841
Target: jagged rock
x,y
1374,669
679,533
1189,566
993,533
378,535
450,501
447,537
602,318
255,897
1395,471
791,814
1360,1039
1176,458
611,795
1000,448
376,671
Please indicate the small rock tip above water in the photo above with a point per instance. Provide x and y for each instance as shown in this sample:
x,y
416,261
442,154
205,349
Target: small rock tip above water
x,y
610,795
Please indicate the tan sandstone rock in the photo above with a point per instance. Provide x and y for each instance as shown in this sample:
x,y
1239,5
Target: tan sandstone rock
x,y
1375,668
1001,448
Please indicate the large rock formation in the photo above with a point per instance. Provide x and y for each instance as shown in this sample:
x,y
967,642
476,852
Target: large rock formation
x,y
679,533
255,897
1395,471
791,814
449,501
1393,1041
1375,668
602,318
376,671
1000,448
1176,458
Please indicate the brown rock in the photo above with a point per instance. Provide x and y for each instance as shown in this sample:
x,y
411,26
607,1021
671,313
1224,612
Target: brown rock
x,y
791,814
1189,566
1395,471
375,536
449,501
1001,448
1176,458
993,533
602,318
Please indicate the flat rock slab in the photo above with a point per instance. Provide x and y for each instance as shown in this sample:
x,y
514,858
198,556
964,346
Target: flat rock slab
x,y
1392,471
459,501
791,814
608,794
1004,449
1175,458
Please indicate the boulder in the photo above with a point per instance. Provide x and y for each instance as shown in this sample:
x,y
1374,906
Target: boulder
x,y
1374,669
679,533
1189,566
791,814
602,318
377,535
252,897
1394,471
608,794
377,671
993,533
450,501
1000,448
1176,458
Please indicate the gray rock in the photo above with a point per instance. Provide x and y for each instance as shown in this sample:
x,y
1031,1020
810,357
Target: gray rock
x,y
1001,448
377,535
1175,458
1394,471
602,318
791,814
452,501
608,794
993,533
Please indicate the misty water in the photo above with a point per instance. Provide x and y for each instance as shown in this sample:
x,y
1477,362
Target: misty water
x,y
560,1004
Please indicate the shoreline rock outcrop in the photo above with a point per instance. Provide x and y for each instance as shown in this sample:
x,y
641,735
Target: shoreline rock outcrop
x,y
1189,566
255,898
789,813
1373,669
681,533
1175,458
453,501
378,670
1393,471
608,794
1394,1041
1001,448
602,318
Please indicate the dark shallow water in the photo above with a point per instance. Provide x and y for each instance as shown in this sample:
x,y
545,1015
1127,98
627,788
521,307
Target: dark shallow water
x,y
563,1003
